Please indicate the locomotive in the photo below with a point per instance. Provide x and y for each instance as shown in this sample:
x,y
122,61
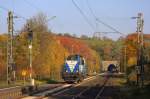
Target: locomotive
x,y
75,69
112,68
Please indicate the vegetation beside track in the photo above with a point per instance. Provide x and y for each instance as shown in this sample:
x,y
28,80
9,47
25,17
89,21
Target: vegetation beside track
x,y
135,92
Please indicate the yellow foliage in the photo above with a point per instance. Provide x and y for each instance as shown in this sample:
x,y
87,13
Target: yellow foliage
x,y
132,61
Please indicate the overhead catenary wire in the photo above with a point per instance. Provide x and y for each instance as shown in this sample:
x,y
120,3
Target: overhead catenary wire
x,y
100,21
32,5
38,9
4,8
16,14
89,7
93,14
84,16
109,26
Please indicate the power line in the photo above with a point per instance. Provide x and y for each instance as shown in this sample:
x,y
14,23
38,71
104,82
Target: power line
x,y
82,13
100,21
93,14
4,8
109,26
16,14
32,5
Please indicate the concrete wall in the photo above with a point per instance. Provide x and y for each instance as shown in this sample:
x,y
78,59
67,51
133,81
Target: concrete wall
x,y
105,64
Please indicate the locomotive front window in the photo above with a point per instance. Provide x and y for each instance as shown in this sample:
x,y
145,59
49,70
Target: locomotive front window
x,y
82,62
73,57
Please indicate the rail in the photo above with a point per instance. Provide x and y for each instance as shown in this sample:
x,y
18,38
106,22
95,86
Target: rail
x,y
81,94
11,93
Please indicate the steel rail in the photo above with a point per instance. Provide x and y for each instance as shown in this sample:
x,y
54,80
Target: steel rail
x,y
102,89
89,88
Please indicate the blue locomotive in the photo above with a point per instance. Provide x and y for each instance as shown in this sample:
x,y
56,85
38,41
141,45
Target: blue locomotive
x,y
75,69
112,68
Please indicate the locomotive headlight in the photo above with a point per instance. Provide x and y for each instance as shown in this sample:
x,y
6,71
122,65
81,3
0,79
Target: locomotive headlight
x,y
66,70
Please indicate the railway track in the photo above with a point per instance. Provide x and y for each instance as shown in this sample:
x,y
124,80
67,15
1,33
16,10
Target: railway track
x,y
97,87
11,93
55,91
86,90
92,92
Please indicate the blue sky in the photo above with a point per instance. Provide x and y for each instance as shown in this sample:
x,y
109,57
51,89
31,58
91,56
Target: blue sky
x,y
116,13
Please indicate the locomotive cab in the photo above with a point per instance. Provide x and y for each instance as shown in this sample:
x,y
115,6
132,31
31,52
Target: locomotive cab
x,y
74,68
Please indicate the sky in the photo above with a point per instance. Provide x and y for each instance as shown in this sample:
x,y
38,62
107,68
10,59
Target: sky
x,y
116,13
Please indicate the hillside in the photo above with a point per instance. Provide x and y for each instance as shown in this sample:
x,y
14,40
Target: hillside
x,y
49,54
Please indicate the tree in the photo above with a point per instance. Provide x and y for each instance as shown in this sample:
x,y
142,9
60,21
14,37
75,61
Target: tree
x,y
38,24
132,47
3,56
84,37
67,34
107,48
77,46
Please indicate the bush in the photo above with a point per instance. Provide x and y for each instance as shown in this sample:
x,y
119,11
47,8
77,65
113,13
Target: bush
x,y
50,81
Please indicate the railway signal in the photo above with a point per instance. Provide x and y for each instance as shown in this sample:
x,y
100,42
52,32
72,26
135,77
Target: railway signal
x,y
30,38
140,61
30,35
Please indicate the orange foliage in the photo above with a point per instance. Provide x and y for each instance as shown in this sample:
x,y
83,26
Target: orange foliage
x,y
132,46
74,45
77,46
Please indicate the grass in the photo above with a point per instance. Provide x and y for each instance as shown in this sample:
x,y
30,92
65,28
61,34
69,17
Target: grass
x,y
50,81
128,91
133,92
3,84
120,81
139,93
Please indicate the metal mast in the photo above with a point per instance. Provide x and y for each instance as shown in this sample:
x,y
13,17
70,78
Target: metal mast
x,y
10,60
140,75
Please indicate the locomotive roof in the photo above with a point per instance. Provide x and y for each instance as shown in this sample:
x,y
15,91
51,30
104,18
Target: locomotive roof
x,y
75,55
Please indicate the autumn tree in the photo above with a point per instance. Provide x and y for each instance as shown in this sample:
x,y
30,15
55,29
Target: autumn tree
x,y
107,48
3,56
47,56
77,46
132,47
